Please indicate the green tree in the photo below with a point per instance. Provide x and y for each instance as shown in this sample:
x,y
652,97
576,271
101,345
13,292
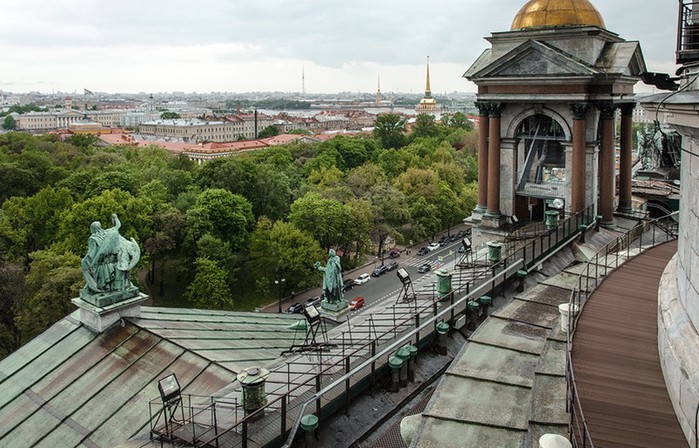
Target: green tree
x,y
320,217
9,123
53,279
167,115
13,293
269,131
390,212
30,224
83,140
425,219
418,182
134,213
282,249
168,224
389,130
449,206
209,289
458,120
425,126
222,214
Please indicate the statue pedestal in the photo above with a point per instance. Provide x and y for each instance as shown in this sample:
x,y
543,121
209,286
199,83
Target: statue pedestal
x,y
334,310
108,298
99,318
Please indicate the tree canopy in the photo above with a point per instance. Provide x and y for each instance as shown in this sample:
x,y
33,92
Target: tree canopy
x,y
225,229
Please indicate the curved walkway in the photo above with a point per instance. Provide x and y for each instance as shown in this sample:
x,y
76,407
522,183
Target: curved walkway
x,y
615,358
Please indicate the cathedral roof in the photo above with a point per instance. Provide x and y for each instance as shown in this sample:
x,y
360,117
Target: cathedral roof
x,y
557,13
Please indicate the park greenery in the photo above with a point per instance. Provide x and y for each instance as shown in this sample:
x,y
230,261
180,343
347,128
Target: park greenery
x,y
219,235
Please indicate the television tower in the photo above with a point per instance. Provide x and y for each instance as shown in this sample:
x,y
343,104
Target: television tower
x,y
303,80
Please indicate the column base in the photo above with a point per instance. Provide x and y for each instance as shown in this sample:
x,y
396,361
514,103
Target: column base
x,y
476,215
624,209
493,220
608,224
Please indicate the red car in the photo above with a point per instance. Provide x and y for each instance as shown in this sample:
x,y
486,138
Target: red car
x,y
356,303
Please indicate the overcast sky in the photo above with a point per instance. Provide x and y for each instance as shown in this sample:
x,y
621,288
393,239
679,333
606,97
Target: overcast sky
x,y
262,45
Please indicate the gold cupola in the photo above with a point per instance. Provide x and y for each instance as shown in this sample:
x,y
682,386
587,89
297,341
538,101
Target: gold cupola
x,y
557,13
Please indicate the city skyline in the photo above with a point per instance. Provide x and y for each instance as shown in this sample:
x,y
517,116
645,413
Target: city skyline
x,y
264,45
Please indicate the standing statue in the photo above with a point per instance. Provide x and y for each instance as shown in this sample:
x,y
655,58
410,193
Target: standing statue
x,y
332,278
107,263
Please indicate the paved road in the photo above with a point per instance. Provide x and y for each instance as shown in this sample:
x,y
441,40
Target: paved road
x,y
388,284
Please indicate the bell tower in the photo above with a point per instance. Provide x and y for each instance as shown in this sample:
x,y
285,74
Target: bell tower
x,y
548,92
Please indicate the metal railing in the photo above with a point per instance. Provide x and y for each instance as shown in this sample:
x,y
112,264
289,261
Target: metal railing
x,y
197,417
331,381
640,238
688,31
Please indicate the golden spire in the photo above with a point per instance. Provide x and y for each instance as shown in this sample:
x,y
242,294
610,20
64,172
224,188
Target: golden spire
x,y
428,91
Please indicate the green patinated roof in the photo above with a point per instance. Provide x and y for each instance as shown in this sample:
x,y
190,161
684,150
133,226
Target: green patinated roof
x,y
70,386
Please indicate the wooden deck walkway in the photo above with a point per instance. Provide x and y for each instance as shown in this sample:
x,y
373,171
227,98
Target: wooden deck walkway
x,y
616,363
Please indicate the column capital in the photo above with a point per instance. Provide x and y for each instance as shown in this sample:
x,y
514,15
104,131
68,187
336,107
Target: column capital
x,y
627,109
482,108
495,109
606,109
579,110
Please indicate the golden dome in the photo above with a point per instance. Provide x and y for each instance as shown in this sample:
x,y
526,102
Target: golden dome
x,y
555,13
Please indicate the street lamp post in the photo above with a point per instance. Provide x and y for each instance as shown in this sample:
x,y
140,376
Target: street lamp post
x,y
279,282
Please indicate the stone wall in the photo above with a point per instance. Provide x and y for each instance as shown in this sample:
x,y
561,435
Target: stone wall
x,y
678,305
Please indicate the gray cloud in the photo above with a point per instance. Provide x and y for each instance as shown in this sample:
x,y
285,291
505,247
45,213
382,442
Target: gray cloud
x,y
323,33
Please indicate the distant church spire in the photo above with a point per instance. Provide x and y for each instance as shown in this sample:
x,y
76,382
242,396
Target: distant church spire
x,y
428,90
378,91
428,104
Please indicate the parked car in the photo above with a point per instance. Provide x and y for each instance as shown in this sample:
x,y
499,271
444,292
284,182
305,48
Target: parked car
x,y
296,308
379,270
315,301
433,246
392,265
362,279
423,251
424,268
394,253
356,303
348,284
453,238
443,241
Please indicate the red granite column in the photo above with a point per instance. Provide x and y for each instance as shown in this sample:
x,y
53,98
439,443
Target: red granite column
x,y
494,161
625,162
606,163
483,130
579,162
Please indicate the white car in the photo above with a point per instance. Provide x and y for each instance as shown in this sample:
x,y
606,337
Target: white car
x,y
362,279
433,246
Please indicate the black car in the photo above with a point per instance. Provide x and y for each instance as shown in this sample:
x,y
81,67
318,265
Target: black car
x,y
348,284
423,251
443,241
392,265
454,237
296,308
379,271
424,268
394,253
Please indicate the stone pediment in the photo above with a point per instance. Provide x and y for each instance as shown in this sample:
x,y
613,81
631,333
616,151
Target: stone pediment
x,y
534,59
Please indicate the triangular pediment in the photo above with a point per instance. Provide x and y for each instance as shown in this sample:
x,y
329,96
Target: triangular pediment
x,y
534,59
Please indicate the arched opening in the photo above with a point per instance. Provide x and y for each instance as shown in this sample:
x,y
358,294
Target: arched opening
x,y
541,165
